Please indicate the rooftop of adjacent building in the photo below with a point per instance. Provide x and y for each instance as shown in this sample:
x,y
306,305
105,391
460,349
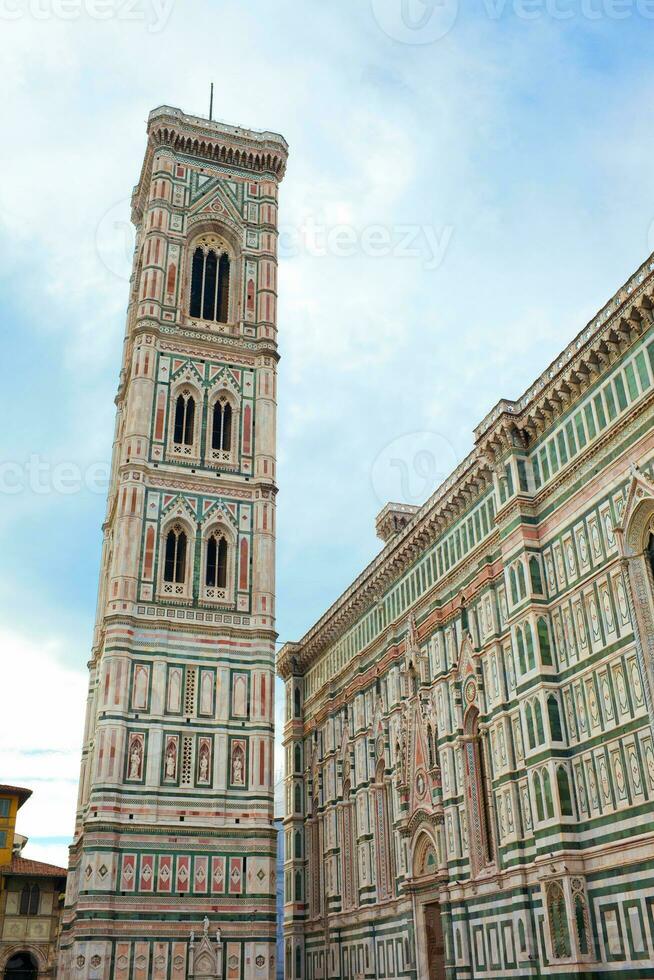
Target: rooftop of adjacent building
x,y
21,792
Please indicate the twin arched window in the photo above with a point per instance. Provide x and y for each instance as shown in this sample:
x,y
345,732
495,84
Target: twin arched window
x,y
209,285
175,561
175,555
221,432
30,897
216,566
184,427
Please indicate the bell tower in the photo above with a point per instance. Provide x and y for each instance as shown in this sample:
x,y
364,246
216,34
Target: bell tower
x,y
174,828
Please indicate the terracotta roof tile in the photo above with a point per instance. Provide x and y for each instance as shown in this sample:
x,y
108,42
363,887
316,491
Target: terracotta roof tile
x,y
20,791
23,866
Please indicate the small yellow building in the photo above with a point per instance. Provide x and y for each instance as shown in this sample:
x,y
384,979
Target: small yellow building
x,y
31,899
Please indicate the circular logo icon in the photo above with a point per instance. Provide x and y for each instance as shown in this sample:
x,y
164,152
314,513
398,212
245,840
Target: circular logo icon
x,y
115,239
415,21
409,468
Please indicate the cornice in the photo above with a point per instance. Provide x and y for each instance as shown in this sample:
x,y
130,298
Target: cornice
x,y
616,327
621,321
262,153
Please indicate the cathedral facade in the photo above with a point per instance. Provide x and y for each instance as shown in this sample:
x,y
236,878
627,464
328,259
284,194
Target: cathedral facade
x,y
469,787
172,868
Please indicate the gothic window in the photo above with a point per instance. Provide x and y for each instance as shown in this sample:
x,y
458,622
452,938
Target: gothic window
x,y
175,555
514,586
558,921
538,716
529,643
216,571
297,758
210,270
297,852
521,580
554,716
547,794
582,919
298,962
296,703
297,799
298,886
544,642
221,431
538,793
29,899
536,578
563,786
521,650
529,718
184,426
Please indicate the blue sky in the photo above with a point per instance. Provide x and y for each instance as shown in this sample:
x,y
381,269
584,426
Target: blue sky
x,y
467,185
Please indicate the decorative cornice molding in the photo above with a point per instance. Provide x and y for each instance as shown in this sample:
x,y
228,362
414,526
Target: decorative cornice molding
x,y
620,322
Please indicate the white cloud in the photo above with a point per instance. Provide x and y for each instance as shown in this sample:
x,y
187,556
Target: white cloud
x,y
41,735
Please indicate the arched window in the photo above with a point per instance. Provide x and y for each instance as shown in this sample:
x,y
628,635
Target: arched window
x,y
529,718
521,650
29,899
547,794
209,298
538,793
563,786
521,580
298,886
554,716
538,716
221,431
184,426
535,575
297,849
558,921
298,962
175,555
582,924
216,570
297,799
514,586
297,711
297,758
529,640
544,643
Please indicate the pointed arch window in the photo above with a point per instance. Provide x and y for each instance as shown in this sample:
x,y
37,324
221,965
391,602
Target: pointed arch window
x,y
184,422
558,921
175,556
210,272
563,786
216,573
224,429
554,716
